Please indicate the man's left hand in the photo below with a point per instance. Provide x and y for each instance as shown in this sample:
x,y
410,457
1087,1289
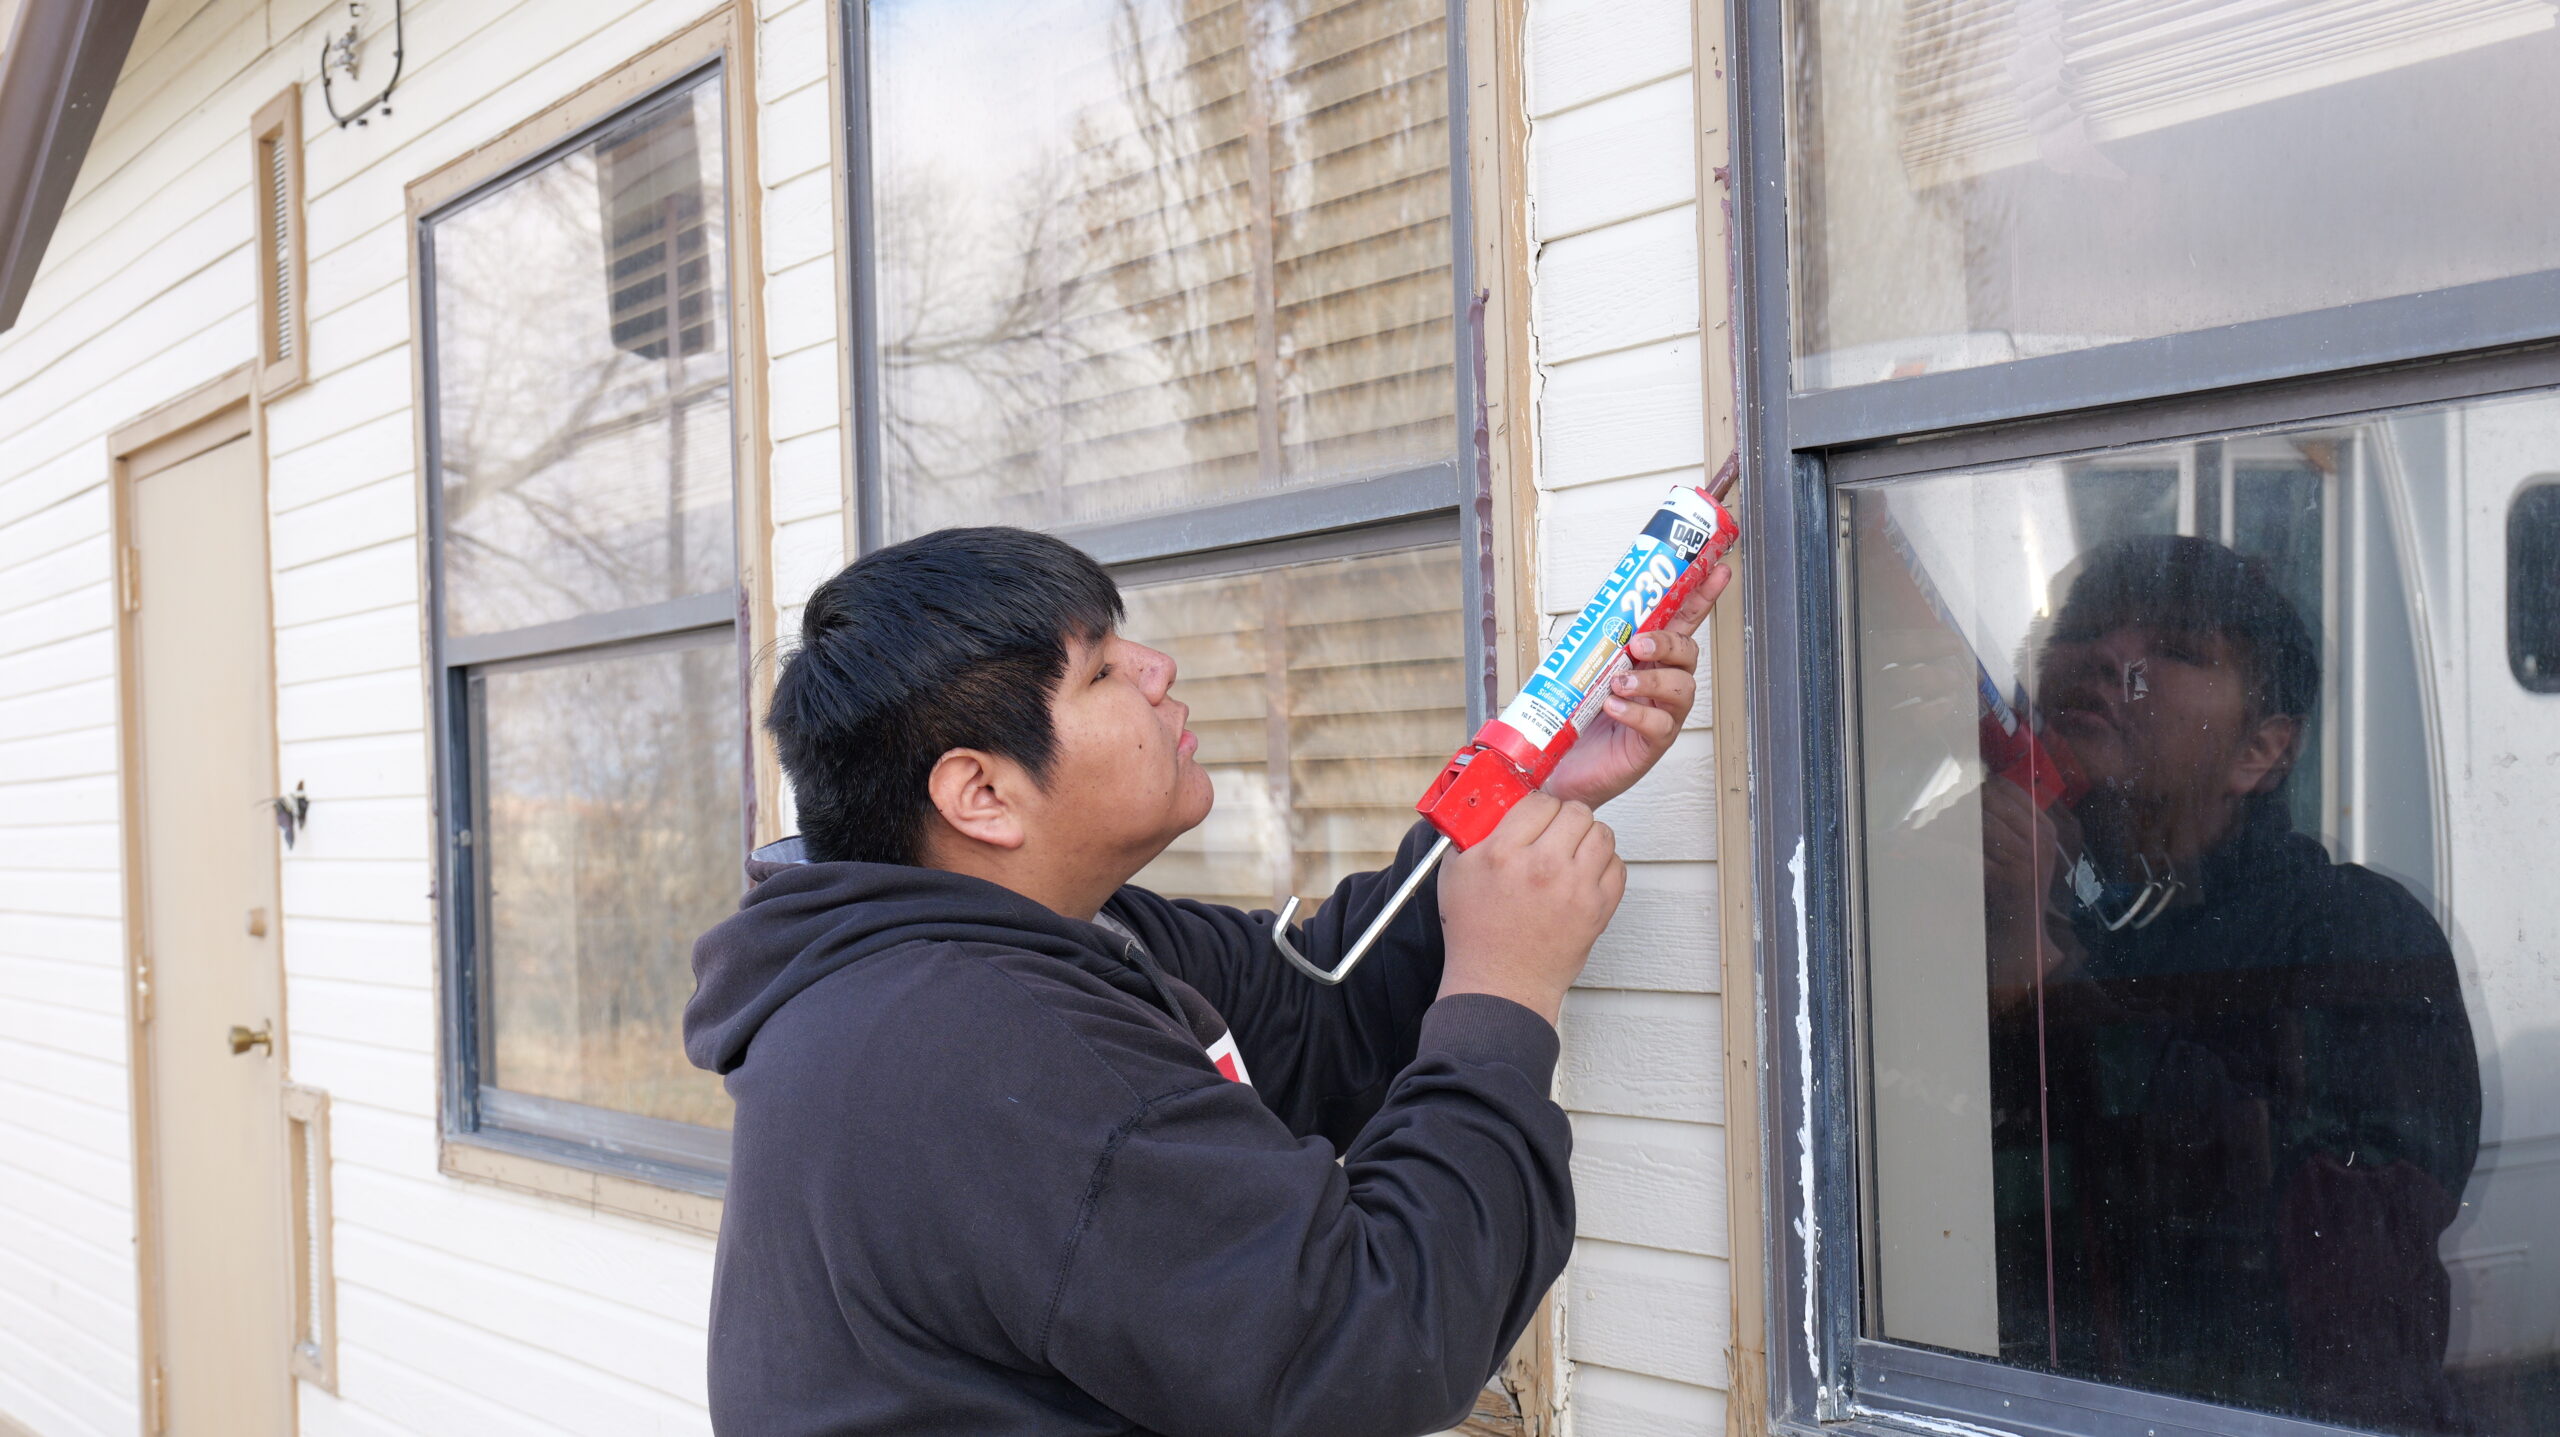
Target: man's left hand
x,y
1645,707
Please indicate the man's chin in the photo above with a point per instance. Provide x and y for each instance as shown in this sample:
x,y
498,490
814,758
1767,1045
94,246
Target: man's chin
x,y
1196,814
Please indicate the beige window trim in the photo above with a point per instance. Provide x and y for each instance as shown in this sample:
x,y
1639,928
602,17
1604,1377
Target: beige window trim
x,y
1498,190
1746,1405
728,36
478,1160
275,188
1498,202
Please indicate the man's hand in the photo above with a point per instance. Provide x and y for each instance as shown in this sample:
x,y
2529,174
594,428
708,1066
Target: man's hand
x,y
1520,911
2022,855
1645,709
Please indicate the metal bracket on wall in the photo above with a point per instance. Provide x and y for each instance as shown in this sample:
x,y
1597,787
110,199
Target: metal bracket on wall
x,y
293,812
338,53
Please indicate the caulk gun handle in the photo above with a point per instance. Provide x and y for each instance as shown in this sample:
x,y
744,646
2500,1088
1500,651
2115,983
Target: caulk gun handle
x,y
1368,938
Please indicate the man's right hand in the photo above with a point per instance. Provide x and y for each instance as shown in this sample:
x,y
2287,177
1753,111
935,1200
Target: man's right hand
x,y
1520,911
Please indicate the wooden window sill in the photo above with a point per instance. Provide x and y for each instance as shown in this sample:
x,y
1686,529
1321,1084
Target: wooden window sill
x,y
483,1162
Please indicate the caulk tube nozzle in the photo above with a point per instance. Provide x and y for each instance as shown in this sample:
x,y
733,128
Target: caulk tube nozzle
x,y
1727,475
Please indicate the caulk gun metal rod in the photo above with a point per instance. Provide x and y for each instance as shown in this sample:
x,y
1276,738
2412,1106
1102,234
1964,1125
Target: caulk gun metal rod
x,y
1377,925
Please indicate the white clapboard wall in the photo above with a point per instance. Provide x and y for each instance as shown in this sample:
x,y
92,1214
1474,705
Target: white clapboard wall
x,y
1613,190
462,1308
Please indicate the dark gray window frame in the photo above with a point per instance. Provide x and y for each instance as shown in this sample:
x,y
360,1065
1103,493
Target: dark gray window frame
x,y
2536,490
1798,450
1449,499
684,1156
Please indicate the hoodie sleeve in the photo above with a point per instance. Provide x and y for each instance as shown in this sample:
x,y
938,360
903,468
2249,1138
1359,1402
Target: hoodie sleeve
x,y
1322,1056
1227,1280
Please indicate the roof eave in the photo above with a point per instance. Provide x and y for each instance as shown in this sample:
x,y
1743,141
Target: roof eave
x,y
61,64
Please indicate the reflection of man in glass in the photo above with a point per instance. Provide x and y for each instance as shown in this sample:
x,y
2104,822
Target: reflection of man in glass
x,y
2235,1093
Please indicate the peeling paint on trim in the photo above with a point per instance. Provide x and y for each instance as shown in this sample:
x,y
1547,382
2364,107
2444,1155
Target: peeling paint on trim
x,y
1944,1427
1808,1227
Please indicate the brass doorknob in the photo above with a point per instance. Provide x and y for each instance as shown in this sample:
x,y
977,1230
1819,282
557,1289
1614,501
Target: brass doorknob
x,y
242,1040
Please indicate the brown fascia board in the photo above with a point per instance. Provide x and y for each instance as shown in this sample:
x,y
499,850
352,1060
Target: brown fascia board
x,y
61,64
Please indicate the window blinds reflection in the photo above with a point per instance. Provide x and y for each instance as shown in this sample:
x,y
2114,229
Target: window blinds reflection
x,y
584,459
1141,254
1325,696
610,813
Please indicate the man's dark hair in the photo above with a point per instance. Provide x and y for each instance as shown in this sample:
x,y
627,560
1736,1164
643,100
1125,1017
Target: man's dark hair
x,y
954,639
2187,585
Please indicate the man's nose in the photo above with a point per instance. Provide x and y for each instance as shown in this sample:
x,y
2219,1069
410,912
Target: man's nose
x,y
1156,669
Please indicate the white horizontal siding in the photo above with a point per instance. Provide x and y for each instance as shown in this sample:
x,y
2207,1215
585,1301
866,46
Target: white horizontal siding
x,y
1631,1404
1586,50
804,307
1650,1310
463,1308
1613,188
1616,158
1619,287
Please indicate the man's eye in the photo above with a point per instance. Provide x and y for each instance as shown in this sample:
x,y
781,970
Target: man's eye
x,y
1102,673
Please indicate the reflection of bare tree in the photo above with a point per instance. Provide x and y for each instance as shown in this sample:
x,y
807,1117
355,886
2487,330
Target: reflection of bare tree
x,y
611,840
566,459
985,334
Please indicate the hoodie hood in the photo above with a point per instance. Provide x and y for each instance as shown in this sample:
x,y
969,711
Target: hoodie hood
x,y
802,921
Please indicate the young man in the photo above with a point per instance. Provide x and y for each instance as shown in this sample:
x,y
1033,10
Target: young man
x,y
1021,1149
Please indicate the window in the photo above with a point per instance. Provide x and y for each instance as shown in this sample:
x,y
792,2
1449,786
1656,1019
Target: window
x,y
2533,585
2151,778
582,383
1986,181
1179,281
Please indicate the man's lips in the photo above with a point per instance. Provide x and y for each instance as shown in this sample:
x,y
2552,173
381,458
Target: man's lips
x,y
1187,745
2082,721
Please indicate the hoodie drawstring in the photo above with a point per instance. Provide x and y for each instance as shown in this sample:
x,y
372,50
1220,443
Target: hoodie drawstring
x,y
1138,956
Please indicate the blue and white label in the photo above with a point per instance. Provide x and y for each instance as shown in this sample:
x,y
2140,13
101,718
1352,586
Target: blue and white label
x,y
1568,682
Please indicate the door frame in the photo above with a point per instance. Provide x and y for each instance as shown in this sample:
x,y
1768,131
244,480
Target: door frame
x,y
216,412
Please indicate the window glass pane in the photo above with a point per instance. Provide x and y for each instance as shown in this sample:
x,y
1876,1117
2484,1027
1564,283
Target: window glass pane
x,y
1134,255
1326,697
1982,180
2212,1016
582,378
2533,585
610,822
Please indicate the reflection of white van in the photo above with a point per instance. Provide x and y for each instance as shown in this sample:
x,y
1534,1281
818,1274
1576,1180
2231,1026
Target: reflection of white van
x,y
2438,759
2437,756
2422,550
2469,493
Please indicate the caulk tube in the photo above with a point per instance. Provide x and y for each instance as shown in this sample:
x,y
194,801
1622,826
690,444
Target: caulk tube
x,y
1514,753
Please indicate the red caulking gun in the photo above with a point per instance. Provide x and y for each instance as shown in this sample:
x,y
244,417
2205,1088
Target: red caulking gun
x,y
1513,755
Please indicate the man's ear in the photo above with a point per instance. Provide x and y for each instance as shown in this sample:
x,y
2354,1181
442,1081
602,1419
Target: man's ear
x,y
2267,755
973,791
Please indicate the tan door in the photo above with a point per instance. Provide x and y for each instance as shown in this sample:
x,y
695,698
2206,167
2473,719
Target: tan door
x,y
205,745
